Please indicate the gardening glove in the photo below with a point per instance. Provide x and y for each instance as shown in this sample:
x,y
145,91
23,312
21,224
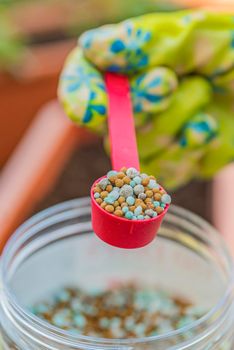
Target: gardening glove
x,y
179,66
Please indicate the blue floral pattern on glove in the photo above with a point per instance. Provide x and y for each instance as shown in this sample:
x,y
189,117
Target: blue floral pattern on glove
x,y
127,49
201,130
151,91
131,48
93,108
141,92
82,90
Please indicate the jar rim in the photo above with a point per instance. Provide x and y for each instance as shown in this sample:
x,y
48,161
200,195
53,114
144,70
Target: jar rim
x,y
36,321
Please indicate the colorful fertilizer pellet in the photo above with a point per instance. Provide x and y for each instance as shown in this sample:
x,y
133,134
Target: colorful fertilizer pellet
x,y
126,311
131,195
130,200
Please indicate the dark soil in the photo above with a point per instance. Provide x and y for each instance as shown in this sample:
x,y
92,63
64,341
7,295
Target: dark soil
x,y
91,162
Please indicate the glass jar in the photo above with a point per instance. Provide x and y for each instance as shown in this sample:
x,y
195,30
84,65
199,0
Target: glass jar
x,y
57,248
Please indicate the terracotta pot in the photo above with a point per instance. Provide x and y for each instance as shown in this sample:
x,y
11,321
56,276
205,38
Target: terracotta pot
x,y
35,164
24,93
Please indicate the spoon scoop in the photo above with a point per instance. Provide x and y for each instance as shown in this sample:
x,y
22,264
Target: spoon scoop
x,y
118,231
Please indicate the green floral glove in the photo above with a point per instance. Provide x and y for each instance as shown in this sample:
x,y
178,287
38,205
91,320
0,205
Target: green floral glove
x,y
181,71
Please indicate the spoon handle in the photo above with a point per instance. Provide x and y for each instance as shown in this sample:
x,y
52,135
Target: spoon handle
x,y
121,123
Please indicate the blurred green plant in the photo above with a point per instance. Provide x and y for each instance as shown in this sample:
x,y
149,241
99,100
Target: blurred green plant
x,y
12,45
83,15
112,11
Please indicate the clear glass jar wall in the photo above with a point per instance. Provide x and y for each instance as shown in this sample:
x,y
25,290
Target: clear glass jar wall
x,y
57,248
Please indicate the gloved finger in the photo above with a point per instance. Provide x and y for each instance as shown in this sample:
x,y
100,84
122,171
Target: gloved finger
x,y
175,167
152,92
82,92
223,83
221,151
180,162
191,96
185,41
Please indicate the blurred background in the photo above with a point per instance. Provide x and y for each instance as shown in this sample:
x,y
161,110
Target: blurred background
x,y
35,37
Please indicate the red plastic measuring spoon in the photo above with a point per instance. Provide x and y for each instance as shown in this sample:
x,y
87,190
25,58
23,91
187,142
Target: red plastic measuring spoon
x,y
118,231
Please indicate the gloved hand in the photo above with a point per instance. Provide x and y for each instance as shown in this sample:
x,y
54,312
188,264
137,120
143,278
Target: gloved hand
x,y
181,72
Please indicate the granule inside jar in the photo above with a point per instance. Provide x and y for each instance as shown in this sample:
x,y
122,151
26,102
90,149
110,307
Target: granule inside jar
x,y
126,311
